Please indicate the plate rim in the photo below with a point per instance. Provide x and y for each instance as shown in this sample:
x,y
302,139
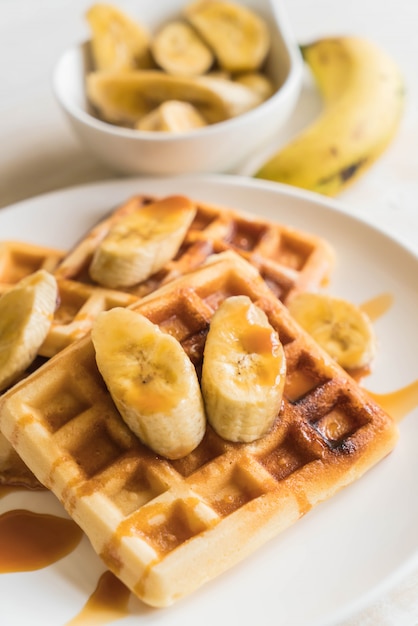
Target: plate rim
x,y
330,205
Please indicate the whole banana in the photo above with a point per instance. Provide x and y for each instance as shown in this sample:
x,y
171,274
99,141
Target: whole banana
x,y
363,95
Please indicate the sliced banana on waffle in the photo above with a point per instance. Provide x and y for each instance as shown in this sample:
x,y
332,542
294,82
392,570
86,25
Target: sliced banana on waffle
x,y
141,243
178,50
172,116
239,38
243,371
26,312
117,41
338,326
151,380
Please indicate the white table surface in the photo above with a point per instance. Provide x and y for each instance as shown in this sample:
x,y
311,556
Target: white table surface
x,y
38,153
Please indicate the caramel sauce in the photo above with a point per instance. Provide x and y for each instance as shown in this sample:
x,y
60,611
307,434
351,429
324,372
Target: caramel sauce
x,y
400,402
378,306
262,340
258,339
149,402
107,603
31,541
297,384
255,338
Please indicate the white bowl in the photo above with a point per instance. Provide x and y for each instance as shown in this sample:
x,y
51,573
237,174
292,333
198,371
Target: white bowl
x,y
216,148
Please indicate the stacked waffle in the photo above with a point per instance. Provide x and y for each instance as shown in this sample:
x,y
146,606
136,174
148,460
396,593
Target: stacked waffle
x,y
290,261
151,518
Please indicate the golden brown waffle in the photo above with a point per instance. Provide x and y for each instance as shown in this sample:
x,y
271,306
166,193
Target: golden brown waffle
x,y
152,520
13,472
77,306
19,259
288,259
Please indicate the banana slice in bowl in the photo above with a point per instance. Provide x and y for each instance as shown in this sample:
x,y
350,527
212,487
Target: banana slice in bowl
x,y
172,116
178,50
126,97
238,36
243,371
118,42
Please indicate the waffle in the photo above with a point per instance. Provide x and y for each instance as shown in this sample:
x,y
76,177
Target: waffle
x,y
288,259
19,259
78,305
13,471
152,520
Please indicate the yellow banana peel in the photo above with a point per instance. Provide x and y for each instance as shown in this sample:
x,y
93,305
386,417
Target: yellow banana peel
x,y
363,96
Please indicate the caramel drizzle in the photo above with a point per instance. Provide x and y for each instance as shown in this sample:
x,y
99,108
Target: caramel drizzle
x,y
30,541
377,306
108,602
399,403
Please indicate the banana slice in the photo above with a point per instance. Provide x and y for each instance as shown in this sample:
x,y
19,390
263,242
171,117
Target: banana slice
x,y
236,98
118,42
178,50
151,380
141,243
338,326
239,38
258,82
172,116
126,97
243,371
26,312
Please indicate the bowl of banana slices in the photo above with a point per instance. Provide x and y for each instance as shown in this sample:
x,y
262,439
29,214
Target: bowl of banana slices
x,y
180,86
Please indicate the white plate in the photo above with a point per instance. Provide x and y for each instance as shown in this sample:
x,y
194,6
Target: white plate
x,y
345,551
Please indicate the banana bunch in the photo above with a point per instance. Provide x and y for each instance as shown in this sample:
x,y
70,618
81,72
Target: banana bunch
x,y
340,327
210,58
363,95
141,243
26,312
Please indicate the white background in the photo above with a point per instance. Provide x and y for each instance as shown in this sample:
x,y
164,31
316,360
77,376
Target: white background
x,y
38,152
